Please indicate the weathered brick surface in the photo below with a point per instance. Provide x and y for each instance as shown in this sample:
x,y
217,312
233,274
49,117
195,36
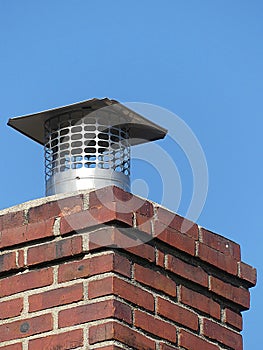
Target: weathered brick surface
x,y
26,233
107,266
55,250
62,341
190,272
26,281
234,319
200,302
94,311
56,297
117,331
155,279
223,335
177,313
26,327
113,285
11,308
237,295
192,342
155,326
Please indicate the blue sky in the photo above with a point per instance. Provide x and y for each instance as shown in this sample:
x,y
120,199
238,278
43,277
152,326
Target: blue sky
x,y
202,60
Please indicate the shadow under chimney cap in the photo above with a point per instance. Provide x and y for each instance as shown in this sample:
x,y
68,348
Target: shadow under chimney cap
x,y
141,130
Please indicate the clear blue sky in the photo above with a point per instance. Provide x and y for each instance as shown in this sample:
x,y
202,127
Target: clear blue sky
x,y
200,59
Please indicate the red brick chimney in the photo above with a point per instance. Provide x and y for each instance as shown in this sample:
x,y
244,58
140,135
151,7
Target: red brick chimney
x,y
168,289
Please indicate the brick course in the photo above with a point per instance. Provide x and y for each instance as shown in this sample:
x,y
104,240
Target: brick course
x,y
108,270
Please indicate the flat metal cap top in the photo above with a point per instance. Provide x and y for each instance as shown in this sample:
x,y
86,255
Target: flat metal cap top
x,y
140,129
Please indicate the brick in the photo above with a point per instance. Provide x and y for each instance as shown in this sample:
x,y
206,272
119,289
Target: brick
x,y
154,280
160,258
26,281
60,207
164,346
17,346
56,297
26,233
220,243
113,330
200,302
109,194
176,222
192,342
247,273
93,266
223,335
215,258
26,327
13,219
8,262
236,295
125,238
155,326
11,308
94,311
85,219
190,272
54,250
233,318
114,285
177,240
177,313
62,341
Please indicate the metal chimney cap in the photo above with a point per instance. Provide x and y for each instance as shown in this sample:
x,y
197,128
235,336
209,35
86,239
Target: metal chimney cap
x,y
141,130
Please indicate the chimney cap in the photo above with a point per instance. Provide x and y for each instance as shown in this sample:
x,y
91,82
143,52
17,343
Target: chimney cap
x,y
141,129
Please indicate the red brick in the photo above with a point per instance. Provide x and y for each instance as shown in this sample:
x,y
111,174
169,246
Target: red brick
x,y
94,311
176,222
192,342
109,194
125,238
11,308
54,250
248,273
85,219
220,243
154,280
112,330
17,346
155,326
237,295
62,341
56,208
177,240
164,346
10,220
93,266
234,319
56,297
177,313
190,272
26,327
26,281
8,262
223,335
114,285
200,302
160,258
220,260
26,233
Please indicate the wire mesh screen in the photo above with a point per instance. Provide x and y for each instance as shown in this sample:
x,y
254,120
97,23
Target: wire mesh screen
x,y
79,140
